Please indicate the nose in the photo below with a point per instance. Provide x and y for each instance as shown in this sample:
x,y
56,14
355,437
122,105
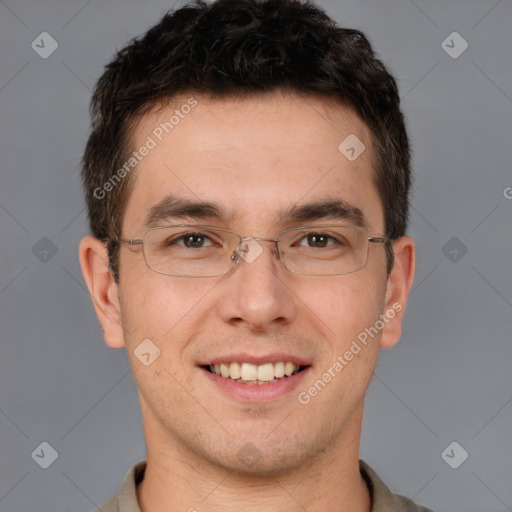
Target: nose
x,y
256,293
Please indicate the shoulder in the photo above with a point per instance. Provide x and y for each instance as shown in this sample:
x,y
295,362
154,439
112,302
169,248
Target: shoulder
x,y
126,500
383,499
407,505
109,506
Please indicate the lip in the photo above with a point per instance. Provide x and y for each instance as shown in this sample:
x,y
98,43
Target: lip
x,y
256,359
256,393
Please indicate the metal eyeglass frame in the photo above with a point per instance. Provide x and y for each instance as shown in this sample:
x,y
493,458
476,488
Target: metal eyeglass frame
x,y
235,257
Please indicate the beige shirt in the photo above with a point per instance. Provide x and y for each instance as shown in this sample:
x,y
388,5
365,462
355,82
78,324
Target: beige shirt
x,y
382,498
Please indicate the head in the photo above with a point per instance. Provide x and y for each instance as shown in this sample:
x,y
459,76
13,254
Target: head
x,y
234,113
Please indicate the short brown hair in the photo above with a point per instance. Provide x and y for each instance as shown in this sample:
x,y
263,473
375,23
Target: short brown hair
x,y
239,47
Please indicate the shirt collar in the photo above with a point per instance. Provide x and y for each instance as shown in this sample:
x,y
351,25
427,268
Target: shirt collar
x,y
383,500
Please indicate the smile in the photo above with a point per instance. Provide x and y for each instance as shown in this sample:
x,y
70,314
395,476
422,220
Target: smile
x,y
247,373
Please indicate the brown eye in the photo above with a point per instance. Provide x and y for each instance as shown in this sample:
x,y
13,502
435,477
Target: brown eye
x,y
317,240
190,241
193,240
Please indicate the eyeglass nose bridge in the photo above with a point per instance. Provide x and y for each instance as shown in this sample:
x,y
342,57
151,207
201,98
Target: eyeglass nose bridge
x,y
237,253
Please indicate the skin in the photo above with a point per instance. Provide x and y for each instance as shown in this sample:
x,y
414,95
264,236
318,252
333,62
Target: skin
x,y
254,156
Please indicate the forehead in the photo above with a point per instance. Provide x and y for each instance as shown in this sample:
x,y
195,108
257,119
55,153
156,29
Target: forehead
x,y
254,157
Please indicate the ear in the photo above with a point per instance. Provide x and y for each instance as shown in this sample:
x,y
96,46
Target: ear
x,y
397,290
103,289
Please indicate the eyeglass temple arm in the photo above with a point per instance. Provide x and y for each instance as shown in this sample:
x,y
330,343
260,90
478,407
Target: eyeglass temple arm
x,y
137,241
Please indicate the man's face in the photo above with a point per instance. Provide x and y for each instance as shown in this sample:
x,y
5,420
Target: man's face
x,y
255,159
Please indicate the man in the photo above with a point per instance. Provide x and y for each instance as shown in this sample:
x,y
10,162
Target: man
x,y
247,181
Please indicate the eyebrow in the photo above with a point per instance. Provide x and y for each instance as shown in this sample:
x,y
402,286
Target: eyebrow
x,y
333,209
172,208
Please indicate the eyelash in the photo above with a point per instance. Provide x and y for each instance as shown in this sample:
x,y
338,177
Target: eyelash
x,y
184,236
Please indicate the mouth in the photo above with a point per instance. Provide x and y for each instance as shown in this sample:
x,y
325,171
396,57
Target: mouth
x,y
251,374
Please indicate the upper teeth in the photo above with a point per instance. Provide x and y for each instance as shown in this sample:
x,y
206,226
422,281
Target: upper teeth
x,y
251,373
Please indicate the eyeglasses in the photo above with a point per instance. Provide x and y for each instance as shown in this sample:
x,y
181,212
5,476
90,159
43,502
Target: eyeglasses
x,y
187,250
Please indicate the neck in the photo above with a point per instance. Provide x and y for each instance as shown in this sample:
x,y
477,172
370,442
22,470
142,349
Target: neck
x,y
177,478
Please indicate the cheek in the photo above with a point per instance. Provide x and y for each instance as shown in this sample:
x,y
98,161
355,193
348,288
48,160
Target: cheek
x,y
347,304
161,309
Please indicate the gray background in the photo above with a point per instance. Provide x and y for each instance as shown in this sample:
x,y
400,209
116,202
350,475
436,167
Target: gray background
x,y
448,379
